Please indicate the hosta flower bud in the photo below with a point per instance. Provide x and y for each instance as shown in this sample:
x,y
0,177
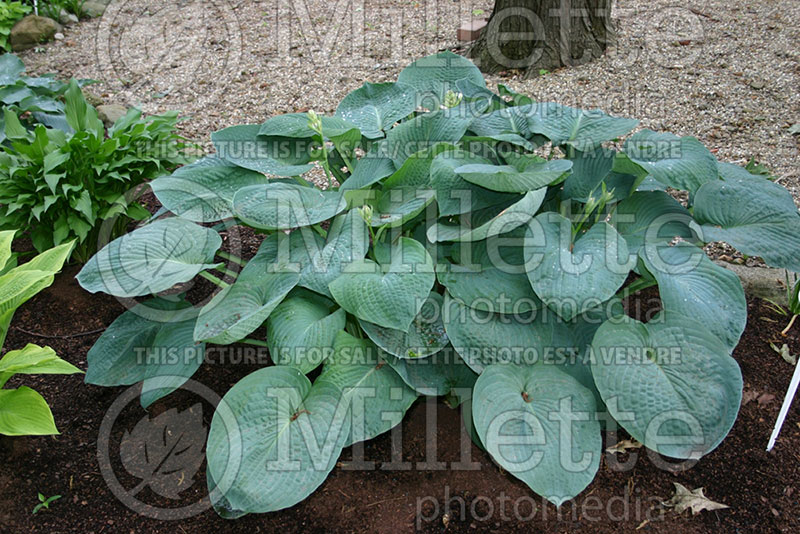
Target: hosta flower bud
x,y
366,213
452,99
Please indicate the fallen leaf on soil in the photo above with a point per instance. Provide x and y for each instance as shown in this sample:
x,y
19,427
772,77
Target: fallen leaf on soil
x,y
623,446
749,395
785,354
765,399
693,500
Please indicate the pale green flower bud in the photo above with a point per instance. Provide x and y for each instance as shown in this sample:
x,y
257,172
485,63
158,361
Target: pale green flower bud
x,y
452,99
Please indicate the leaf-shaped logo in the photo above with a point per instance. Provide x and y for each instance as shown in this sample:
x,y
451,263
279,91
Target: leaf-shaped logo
x,y
166,451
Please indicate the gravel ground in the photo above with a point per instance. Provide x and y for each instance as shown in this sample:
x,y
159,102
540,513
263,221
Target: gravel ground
x,y
727,72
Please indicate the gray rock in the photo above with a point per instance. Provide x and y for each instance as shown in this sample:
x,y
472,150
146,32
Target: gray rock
x,y
762,282
109,113
93,9
32,30
58,36
66,18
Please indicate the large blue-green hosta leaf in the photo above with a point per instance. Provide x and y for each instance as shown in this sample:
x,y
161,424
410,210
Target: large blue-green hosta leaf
x,y
347,241
243,146
582,129
679,162
375,107
151,259
282,206
443,374
455,195
651,218
239,309
509,179
378,396
423,131
483,339
390,295
669,383
589,169
692,285
151,342
487,287
273,440
301,330
503,221
203,191
573,275
538,423
425,336
372,168
296,125
435,75
754,215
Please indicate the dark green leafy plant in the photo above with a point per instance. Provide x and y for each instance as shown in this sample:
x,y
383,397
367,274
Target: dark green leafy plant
x,y
10,13
34,100
64,186
470,245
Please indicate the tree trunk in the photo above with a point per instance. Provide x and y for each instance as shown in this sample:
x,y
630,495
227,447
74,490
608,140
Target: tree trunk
x,y
532,35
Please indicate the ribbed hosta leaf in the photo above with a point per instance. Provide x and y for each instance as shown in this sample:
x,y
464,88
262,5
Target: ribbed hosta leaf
x,y
243,146
538,423
508,179
151,342
651,218
754,215
482,338
424,131
425,336
375,107
282,206
295,125
347,241
203,191
442,374
490,288
589,169
580,128
390,295
454,195
301,330
151,259
372,168
504,221
435,75
238,310
273,440
669,383
679,162
690,284
572,275
378,396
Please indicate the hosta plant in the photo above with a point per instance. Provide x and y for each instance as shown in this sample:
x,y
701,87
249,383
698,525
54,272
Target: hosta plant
x,y
63,186
462,244
35,100
23,411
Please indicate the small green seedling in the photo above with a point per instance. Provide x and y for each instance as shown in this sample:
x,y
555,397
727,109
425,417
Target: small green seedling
x,y
45,502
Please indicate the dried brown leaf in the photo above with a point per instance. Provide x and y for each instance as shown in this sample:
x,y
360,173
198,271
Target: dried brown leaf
x,y
624,446
694,501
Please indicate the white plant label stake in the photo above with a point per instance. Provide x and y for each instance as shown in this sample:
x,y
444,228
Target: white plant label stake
x,y
787,402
